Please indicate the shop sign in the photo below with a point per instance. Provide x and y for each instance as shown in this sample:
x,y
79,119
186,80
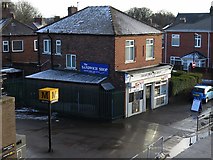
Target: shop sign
x,y
95,68
48,94
137,86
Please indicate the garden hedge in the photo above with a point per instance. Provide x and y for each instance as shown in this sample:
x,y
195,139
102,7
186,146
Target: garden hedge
x,y
183,82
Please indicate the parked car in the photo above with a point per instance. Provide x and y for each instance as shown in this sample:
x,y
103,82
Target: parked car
x,y
203,92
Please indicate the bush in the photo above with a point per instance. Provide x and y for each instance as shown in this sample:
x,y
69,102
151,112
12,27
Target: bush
x,y
183,82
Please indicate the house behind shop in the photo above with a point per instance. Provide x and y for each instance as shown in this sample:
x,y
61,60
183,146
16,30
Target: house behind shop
x,y
103,62
189,40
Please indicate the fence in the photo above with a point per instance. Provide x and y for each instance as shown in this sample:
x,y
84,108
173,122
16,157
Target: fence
x,y
204,121
74,99
153,151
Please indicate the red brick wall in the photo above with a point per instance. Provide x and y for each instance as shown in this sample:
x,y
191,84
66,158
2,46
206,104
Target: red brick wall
x,y
140,52
27,56
186,45
88,48
211,50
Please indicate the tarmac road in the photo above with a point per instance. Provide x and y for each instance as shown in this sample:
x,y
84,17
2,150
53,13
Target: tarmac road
x,y
74,138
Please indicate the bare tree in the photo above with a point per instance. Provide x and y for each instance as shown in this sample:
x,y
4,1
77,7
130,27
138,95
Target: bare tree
x,y
159,19
25,12
142,14
163,18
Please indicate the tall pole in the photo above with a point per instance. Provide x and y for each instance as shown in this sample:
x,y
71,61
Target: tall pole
x,y
49,125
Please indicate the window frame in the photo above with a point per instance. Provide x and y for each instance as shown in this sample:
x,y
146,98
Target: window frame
x,y
47,50
175,36
57,44
35,45
198,40
129,60
71,56
153,49
22,45
3,45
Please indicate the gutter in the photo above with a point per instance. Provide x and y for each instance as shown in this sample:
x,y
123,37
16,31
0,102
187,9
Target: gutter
x,y
208,49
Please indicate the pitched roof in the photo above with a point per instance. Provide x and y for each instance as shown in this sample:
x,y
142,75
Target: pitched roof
x,y
99,20
195,55
11,26
192,22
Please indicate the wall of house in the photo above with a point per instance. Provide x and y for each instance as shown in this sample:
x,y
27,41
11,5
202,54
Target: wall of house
x,y
87,48
211,50
186,45
140,52
28,55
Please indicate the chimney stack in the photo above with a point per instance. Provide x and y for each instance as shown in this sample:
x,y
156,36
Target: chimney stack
x,y
211,9
6,10
72,10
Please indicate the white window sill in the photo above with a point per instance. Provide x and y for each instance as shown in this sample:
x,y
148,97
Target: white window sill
x,y
69,68
175,45
46,53
129,61
58,54
14,51
150,59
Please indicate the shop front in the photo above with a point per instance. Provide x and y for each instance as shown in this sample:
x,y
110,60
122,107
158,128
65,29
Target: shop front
x,y
147,89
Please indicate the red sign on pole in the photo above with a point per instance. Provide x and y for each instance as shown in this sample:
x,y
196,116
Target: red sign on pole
x,y
193,64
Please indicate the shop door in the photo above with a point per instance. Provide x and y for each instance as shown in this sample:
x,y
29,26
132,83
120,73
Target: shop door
x,y
148,96
136,103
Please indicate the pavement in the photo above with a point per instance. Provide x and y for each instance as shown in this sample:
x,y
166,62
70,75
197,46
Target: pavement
x,y
124,138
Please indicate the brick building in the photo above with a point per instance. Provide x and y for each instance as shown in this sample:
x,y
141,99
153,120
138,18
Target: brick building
x,y
189,40
103,41
19,42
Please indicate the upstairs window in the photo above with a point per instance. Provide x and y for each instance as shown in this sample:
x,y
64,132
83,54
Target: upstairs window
x,y
35,45
129,51
5,47
197,40
58,47
47,46
17,46
71,61
149,49
175,40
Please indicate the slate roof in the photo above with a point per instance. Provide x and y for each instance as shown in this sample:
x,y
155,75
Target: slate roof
x,y
99,20
11,26
67,76
192,22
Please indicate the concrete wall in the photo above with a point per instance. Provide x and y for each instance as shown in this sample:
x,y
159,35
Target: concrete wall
x,y
8,125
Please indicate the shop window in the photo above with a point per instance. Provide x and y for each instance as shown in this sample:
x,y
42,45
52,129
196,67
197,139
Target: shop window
x,y
131,97
160,101
157,91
